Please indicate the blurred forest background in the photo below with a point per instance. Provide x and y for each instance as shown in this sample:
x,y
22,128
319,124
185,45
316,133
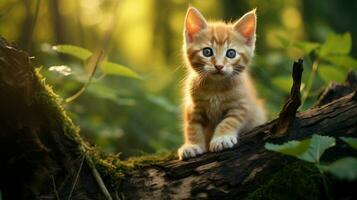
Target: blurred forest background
x,y
133,116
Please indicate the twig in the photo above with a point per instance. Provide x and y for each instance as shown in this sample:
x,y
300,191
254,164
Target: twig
x,y
287,114
85,86
77,177
98,178
104,46
54,187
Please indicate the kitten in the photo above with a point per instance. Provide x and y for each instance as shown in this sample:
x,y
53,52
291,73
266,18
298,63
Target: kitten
x,y
219,97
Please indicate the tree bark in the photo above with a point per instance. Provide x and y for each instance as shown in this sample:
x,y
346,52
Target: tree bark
x,y
43,157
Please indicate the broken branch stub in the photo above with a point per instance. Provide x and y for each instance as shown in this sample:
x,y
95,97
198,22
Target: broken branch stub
x,y
288,113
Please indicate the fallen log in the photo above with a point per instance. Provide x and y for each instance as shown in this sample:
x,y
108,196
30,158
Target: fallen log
x,y
42,155
235,173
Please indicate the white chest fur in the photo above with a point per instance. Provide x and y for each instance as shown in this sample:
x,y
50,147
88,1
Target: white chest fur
x,y
214,108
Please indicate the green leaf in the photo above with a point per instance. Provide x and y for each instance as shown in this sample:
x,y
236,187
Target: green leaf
x,y
344,61
306,47
291,148
345,168
309,150
284,83
330,73
318,145
72,50
336,44
117,69
350,141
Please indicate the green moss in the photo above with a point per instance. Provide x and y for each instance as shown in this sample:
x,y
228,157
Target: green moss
x,y
113,169
295,181
46,96
142,161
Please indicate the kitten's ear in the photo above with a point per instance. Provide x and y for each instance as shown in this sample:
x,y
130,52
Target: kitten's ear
x,y
246,26
194,23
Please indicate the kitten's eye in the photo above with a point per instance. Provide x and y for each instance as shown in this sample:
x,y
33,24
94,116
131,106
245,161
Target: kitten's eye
x,y
207,52
231,53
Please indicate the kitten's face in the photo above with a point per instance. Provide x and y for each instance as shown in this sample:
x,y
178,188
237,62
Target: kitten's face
x,y
219,50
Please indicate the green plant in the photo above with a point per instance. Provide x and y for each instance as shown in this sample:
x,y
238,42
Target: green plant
x,y
311,150
93,61
107,67
119,120
330,62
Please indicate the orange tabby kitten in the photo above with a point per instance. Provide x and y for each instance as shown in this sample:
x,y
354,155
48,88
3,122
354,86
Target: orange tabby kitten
x,y
219,98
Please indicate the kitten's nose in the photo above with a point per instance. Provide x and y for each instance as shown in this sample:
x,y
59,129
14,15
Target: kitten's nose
x,y
218,67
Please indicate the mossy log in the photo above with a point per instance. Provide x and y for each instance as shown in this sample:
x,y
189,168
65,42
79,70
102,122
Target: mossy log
x,y
42,155
40,148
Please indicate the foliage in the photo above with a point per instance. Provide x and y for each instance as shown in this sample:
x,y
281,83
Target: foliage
x,y
117,69
318,145
330,61
344,168
72,50
336,45
107,67
311,150
329,73
290,148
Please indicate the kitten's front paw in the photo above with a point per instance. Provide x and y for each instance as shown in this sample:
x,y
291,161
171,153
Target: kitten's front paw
x,y
218,143
189,151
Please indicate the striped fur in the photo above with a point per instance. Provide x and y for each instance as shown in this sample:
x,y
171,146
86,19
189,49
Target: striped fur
x,y
217,106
